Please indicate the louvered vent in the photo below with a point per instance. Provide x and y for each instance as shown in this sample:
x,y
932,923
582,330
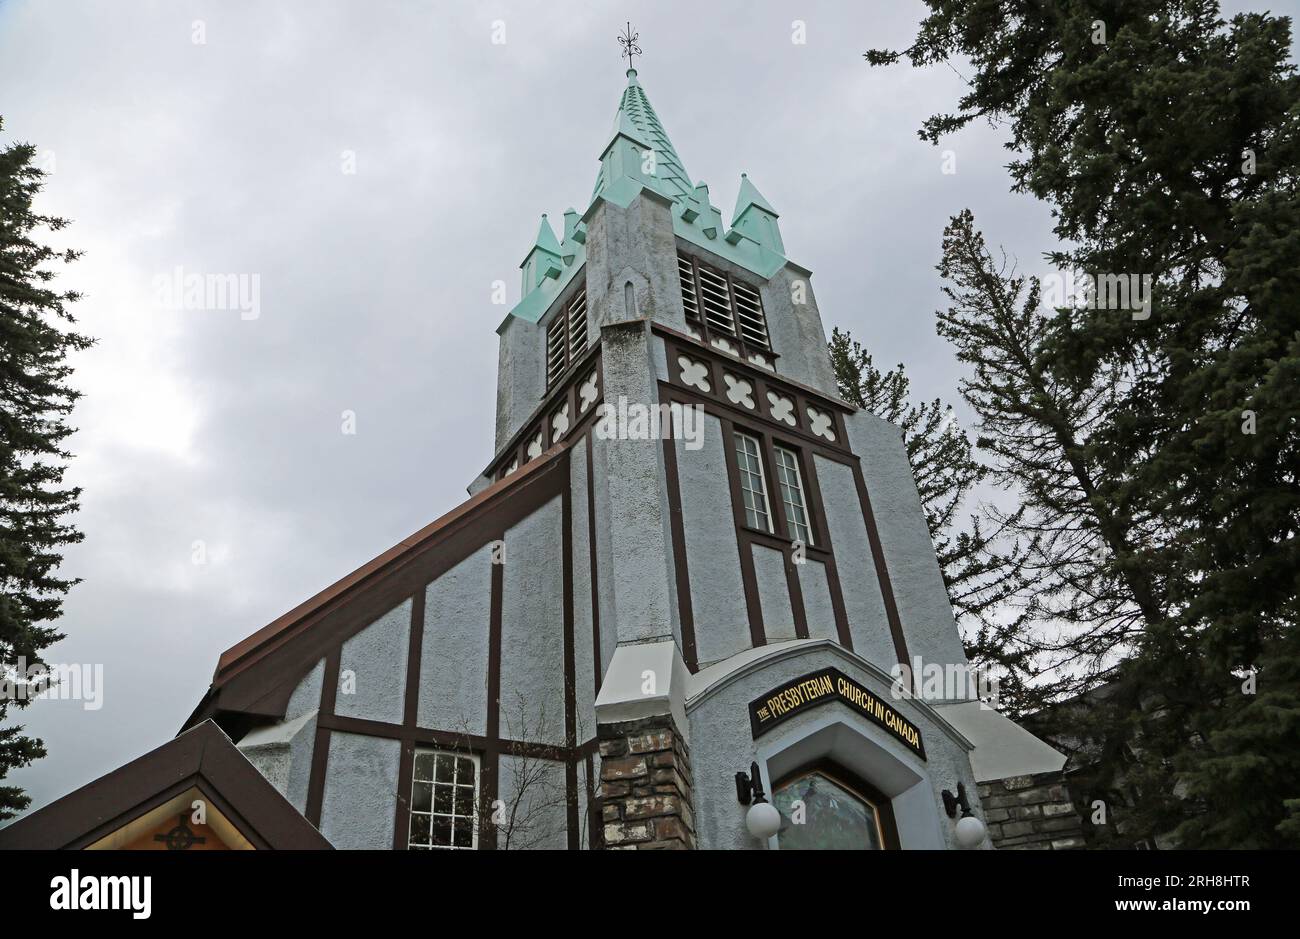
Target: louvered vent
x,y
689,299
566,337
749,316
555,357
724,306
716,300
577,326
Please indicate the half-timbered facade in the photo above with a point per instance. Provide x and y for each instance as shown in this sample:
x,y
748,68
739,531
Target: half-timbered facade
x,y
688,558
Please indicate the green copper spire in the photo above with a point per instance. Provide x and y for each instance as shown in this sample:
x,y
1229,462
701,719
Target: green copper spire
x,y
749,195
638,157
543,261
755,218
640,149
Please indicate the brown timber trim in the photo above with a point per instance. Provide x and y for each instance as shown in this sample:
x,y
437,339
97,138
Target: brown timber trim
x,y
749,370
685,611
491,760
201,758
796,598
268,671
454,740
882,570
807,448
570,677
320,750
776,507
591,551
752,605
593,806
818,509
406,765
565,389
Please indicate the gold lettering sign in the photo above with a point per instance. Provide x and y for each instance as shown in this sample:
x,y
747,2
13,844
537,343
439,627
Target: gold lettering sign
x,y
822,687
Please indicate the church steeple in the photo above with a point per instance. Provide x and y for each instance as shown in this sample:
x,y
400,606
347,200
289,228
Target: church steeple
x,y
647,156
639,157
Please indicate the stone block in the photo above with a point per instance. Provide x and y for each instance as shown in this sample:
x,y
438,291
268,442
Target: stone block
x,y
622,768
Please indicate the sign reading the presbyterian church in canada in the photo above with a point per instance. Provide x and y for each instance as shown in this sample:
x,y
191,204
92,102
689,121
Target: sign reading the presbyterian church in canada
x,y
823,687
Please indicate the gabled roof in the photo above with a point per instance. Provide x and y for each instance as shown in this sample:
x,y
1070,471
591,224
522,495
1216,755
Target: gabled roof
x,y
256,676
203,759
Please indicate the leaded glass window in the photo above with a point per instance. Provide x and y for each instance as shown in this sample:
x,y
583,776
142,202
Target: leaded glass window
x,y
444,793
821,813
792,497
753,488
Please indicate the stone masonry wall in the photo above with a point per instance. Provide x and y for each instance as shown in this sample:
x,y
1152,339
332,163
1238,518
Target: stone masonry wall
x,y
645,786
1031,812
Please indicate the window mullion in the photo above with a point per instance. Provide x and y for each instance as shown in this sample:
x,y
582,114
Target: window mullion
x,y
779,526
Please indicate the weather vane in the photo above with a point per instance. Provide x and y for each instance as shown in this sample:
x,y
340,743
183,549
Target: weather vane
x,y
628,41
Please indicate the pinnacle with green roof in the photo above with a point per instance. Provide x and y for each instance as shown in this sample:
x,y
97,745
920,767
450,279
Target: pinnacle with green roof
x,y
639,157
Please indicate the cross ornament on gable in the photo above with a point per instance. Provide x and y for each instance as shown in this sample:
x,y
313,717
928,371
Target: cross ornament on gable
x,y
628,41
181,837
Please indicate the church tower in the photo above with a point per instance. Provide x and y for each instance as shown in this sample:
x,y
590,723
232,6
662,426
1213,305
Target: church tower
x,y
753,545
692,601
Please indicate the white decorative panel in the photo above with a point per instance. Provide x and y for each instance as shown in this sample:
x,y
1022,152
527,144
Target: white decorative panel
x,y
587,393
782,408
821,424
695,374
739,391
560,423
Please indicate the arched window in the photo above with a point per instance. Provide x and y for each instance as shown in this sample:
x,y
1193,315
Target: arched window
x,y
824,807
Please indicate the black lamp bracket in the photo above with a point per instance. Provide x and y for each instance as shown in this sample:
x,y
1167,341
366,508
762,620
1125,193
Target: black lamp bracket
x,y
951,803
749,786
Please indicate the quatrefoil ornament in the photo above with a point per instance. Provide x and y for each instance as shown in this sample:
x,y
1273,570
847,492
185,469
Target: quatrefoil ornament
x,y
738,390
695,374
587,393
535,447
782,408
560,423
821,424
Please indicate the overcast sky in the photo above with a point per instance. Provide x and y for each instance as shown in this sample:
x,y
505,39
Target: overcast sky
x,y
229,155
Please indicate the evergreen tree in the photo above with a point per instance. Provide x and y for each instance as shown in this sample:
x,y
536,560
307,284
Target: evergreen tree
x,y
1167,140
35,399
980,572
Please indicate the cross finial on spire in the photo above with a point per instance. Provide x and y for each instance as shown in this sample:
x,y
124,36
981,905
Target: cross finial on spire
x,y
628,41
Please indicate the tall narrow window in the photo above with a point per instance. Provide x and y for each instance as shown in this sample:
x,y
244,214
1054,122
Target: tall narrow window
x,y
444,793
566,337
753,488
792,497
